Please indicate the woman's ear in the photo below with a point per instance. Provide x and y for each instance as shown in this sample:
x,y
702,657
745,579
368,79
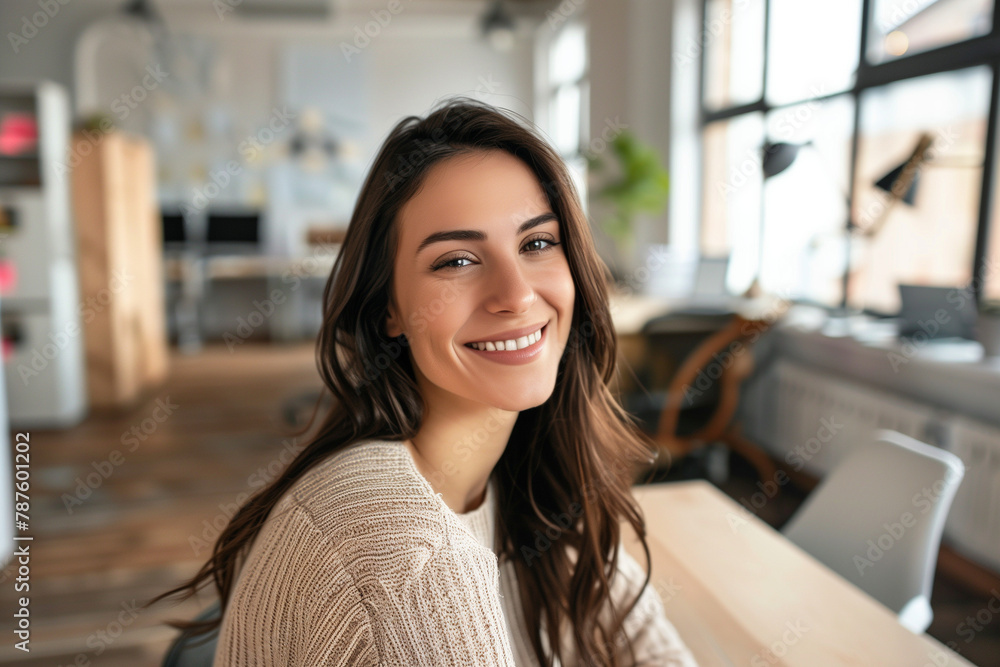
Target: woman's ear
x,y
392,325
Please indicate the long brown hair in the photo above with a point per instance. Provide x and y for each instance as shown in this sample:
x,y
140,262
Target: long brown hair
x,y
565,483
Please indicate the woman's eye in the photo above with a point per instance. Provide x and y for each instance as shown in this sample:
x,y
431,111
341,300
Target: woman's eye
x,y
532,242
450,263
532,246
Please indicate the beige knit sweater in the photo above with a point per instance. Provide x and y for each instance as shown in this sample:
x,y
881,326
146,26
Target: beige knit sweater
x,y
362,563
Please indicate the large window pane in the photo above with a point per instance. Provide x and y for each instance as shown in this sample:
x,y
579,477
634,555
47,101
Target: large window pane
x,y
734,52
731,195
903,27
568,55
567,67
805,206
932,241
813,48
566,104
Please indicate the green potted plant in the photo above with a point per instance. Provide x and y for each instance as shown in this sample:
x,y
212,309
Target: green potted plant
x,y
639,184
988,327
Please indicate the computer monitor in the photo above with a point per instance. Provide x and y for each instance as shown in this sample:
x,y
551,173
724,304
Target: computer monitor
x,y
235,232
174,230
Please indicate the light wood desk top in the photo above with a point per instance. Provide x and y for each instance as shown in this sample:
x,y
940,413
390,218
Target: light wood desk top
x,y
739,593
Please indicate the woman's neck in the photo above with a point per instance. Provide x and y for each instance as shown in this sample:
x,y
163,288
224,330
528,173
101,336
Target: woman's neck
x,y
457,448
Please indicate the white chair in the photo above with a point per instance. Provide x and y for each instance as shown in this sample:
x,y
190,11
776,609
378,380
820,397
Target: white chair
x,y
876,520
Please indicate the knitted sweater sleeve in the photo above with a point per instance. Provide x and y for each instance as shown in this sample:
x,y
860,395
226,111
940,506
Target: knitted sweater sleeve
x,y
654,639
403,599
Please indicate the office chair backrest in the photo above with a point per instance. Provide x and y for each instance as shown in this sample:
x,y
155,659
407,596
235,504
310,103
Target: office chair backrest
x,y
197,651
876,519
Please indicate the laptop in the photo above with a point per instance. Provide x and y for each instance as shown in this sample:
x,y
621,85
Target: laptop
x,y
934,312
708,294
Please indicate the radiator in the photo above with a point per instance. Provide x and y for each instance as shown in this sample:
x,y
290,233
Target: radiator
x,y
811,420
973,525
806,417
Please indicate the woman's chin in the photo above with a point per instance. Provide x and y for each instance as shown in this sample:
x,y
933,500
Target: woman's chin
x,y
525,399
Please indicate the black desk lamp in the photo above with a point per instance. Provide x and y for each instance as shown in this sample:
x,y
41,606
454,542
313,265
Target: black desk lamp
x,y
900,183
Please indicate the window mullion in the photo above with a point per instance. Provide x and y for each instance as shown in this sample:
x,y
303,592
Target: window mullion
x,y
979,254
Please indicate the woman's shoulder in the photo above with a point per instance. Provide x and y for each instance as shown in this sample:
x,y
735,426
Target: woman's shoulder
x,y
370,487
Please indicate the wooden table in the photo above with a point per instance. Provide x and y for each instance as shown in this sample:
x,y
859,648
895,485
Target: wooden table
x,y
741,594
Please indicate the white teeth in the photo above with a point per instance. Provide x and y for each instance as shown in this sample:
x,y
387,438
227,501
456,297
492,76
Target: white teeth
x,y
519,344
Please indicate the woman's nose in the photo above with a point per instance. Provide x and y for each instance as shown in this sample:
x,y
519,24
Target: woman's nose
x,y
510,287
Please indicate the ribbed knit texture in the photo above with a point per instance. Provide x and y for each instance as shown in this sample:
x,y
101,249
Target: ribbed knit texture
x,y
362,563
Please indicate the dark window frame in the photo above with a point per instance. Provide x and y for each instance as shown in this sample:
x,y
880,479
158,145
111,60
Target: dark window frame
x,y
977,51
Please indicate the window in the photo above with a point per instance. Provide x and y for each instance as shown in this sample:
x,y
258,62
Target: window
x,y
812,48
734,52
932,241
731,207
901,27
808,105
803,248
564,100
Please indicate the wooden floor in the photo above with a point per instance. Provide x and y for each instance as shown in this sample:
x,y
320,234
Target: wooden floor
x,y
131,538
137,532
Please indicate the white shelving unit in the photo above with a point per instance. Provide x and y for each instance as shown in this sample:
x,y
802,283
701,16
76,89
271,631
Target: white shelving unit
x,y
41,315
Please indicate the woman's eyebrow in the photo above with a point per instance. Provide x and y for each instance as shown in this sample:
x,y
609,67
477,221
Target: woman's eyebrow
x,y
476,235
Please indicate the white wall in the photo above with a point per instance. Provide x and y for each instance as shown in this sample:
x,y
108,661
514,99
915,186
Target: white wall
x,y
425,52
635,76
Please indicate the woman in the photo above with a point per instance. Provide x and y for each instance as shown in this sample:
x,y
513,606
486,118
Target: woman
x,y
461,503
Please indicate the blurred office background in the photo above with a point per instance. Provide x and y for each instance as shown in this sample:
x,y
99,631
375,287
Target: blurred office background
x,y
176,177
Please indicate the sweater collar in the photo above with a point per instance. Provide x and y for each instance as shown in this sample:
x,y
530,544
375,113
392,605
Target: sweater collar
x,y
481,521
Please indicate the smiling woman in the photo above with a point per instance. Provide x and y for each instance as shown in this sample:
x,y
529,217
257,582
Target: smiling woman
x,y
462,501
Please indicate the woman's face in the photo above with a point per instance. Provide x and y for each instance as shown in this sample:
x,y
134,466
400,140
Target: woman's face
x,y
477,263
